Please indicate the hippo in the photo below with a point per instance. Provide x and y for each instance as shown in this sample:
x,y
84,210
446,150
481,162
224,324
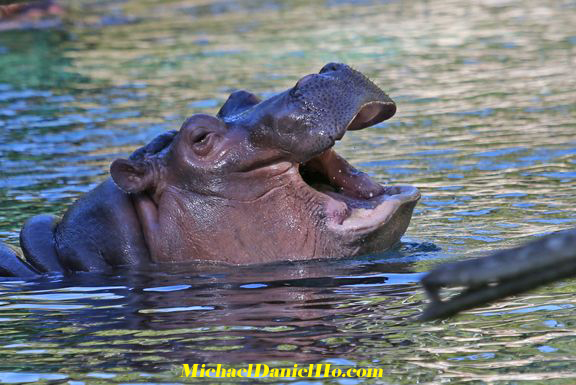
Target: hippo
x,y
28,10
40,14
258,182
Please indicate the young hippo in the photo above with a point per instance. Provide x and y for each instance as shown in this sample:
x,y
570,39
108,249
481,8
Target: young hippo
x,y
259,182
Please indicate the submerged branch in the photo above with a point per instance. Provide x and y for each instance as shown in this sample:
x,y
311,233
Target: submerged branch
x,y
501,274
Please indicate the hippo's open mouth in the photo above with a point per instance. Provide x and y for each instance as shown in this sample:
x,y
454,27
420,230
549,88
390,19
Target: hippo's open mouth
x,y
354,202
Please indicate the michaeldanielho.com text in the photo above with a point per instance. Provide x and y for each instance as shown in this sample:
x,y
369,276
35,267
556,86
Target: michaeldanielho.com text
x,y
263,370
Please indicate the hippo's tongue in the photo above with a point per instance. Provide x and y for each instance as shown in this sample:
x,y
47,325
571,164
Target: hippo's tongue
x,y
330,168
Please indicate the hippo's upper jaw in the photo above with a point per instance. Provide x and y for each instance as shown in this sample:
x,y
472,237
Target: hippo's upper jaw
x,y
309,118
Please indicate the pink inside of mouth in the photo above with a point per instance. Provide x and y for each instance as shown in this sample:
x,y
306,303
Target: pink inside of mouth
x,y
345,187
329,172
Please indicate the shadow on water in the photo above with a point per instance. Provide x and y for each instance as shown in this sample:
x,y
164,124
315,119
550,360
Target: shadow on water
x,y
145,324
284,312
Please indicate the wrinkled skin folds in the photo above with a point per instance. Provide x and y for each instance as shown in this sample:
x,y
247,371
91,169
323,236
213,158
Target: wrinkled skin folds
x,y
259,182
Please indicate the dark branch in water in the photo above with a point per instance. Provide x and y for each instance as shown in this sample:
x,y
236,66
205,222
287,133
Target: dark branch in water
x,y
501,274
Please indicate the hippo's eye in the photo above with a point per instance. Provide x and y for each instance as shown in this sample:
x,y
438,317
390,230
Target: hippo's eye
x,y
201,142
201,138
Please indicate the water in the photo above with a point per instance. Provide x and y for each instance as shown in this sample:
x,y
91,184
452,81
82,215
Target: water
x,y
485,128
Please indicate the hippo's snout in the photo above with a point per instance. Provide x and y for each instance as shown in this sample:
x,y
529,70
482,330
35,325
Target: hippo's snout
x,y
333,67
309,118
371,112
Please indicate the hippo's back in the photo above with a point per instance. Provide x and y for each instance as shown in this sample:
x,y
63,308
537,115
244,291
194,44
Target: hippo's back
x,y
101,230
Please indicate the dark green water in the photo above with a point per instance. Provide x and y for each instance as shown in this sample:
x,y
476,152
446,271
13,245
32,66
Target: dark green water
x,y
486,128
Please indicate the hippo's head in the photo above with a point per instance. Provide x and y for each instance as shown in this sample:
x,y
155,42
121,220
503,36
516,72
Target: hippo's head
x,y
260,181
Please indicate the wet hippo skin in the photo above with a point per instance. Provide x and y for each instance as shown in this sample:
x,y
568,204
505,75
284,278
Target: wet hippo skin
x,y
259,182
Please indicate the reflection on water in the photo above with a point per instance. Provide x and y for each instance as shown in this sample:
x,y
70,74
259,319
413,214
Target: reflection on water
x,y
486,128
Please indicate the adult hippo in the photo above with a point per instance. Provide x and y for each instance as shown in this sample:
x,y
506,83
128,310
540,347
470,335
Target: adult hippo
x,y
258,182
27,11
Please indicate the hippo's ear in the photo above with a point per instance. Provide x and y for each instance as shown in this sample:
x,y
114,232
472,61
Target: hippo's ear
x,y
132,176
237,102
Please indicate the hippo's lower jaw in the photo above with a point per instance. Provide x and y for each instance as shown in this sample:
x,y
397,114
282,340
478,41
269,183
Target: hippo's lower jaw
x,y
367,220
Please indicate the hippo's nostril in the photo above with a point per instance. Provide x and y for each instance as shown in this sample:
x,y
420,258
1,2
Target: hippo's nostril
x,y
304,80
333,67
